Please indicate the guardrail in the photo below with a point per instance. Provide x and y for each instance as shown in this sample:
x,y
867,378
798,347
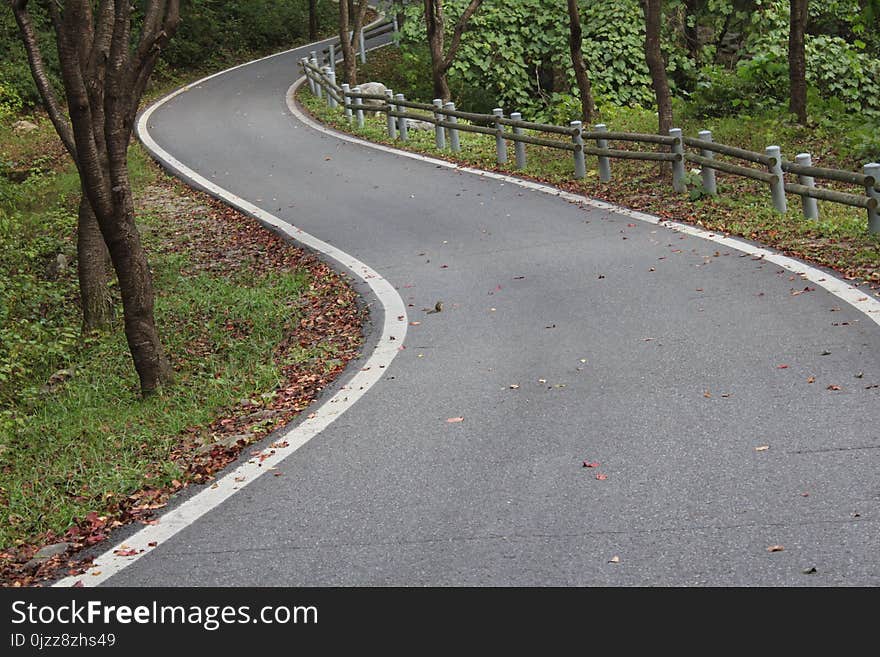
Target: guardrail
x,y
445,119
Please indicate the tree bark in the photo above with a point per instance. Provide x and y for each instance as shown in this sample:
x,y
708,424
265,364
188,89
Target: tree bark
x,y
797,61
104,72
691,36
351,22
575,39
656,64
313,20
93,269
441,58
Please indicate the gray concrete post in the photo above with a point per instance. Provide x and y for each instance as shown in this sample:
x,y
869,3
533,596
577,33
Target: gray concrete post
x,y
319,90
707,173
873,171
604,162
518,146
401,121
580,166
358,104
313,55
396,26
500,143
454,143
332,57
678,172
439,132
346,89
392,121
777,187
308,73
332,77
363,47
811,205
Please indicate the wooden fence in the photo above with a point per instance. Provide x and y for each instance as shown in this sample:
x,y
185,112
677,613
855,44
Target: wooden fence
x,y
574,139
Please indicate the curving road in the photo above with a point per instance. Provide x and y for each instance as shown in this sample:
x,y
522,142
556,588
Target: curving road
x,y
657,354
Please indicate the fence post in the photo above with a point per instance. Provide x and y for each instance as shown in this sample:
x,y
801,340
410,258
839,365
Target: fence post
x,y
604,162
346,101
707,173
319,89
401,121
392,121
308,73
777,186
872,170
580,167
358,105
500,144
396,26
363,47
454,143
332,57
519,147
332,77
678,172
811,205
439,133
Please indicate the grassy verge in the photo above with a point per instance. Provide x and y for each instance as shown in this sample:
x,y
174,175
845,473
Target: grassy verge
x,y
255,329
839,240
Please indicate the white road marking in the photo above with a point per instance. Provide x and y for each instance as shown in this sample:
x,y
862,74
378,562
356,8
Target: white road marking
x,y
393,333
860,299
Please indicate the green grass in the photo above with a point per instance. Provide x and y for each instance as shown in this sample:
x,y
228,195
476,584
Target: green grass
x,y
89,441
839,240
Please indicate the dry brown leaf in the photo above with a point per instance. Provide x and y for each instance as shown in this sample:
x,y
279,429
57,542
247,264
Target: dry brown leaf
x,y
454,420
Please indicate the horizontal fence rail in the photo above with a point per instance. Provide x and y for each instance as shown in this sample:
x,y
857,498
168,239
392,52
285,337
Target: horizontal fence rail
x,y
446,121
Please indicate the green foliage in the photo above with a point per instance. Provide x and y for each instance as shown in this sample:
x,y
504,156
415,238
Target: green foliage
x,y
517,54
212,32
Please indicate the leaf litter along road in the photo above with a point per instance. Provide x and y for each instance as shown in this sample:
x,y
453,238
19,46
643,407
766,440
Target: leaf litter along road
x,y
327,328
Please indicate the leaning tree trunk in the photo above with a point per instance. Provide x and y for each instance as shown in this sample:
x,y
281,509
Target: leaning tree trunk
x,y
575,38
93,269
104,72
656,64
797,63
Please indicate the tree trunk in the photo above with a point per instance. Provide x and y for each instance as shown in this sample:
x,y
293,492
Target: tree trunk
x,y
93,269
104,71
349,65
441,59
575,38
435,29
313,20
656,64
797,64
691,36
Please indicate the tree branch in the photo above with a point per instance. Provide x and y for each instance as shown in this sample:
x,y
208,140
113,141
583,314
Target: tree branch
x,y
41,77
460,27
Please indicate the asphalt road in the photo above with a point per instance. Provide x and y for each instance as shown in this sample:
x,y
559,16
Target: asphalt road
x,y
655,354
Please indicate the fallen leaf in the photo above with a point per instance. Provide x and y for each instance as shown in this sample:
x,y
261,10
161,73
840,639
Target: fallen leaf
x,y
129,552
454,420
78,584
152,544
782,367
591,464
542,380
812,379
833,387
775,548
614,559
514,386
707,395
601,477
810,571
762,448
